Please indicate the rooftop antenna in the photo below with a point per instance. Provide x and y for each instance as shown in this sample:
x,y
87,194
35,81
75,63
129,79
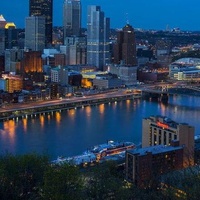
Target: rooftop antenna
x,y
127,19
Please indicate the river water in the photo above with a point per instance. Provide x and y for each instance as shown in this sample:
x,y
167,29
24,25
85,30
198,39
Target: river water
x,y
70,132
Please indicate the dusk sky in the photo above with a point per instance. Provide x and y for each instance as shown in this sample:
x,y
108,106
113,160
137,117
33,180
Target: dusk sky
x,y
146,14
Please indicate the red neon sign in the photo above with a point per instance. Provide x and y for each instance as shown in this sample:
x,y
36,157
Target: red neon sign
x,y
162,125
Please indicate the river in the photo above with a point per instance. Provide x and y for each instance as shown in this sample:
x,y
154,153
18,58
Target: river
x,y
70,132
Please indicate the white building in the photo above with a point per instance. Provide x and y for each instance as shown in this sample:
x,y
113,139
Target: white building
x,y
59,75
185,69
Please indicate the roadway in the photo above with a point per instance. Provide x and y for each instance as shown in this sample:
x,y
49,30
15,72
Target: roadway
x,y
37,104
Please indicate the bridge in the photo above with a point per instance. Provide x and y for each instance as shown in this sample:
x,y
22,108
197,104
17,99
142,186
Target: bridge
x,y
162,93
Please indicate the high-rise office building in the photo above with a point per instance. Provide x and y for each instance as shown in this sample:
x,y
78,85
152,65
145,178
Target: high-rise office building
x,y
71,18
75,50
43,8
35,33
98,28
159,130
2,40
11,33
12,59
125,48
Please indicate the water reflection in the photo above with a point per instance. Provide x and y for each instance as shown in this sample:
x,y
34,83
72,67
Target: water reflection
x,y
58,118
101,108
128,102
9,127
88,111
42,121
24,122
49,116
92,125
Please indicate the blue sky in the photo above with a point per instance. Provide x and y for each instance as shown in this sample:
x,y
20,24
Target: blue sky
x,y
146,14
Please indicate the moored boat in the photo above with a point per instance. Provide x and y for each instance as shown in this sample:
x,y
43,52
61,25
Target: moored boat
x,y
111,148
97,153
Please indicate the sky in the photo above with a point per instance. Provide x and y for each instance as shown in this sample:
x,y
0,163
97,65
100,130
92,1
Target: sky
x,y
145,14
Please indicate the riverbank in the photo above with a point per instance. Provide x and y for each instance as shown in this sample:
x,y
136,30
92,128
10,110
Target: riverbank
x,y
24,110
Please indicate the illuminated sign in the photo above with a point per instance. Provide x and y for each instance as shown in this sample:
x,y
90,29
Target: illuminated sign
x,y
162,125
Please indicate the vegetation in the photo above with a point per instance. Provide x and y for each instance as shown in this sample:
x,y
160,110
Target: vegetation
x,y
31,177
191,54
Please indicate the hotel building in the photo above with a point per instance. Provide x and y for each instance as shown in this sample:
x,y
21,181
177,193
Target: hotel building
x,y
159,130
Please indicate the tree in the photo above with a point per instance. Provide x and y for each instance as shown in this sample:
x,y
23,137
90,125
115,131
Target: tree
x,y
62,182
21,177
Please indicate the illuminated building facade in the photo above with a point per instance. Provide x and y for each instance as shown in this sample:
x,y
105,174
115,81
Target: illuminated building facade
x,y
159,130
98,27
32,62
71,18
185,69
35,33
145,165
43,8
125,48
11,83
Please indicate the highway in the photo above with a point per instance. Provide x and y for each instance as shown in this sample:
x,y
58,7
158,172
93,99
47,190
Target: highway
x,y
38,104
157,88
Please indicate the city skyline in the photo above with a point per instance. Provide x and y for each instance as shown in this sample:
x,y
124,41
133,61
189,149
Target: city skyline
x,y
140,14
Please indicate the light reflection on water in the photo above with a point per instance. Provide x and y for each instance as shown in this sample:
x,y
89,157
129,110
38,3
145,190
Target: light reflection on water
x,y
70,132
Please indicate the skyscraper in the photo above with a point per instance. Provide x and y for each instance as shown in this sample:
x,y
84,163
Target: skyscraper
x,y
98,28
43,8
125,48
71,18
35,33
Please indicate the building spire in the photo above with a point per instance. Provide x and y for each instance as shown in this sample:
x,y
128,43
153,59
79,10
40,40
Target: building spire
x,y
127,19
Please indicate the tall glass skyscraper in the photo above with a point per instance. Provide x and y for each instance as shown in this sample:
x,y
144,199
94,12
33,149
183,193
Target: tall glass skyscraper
x,y
71,18
43,8
35,33
98,28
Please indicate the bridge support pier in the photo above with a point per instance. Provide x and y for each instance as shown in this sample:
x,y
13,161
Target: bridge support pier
x,y
164,97
157,96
